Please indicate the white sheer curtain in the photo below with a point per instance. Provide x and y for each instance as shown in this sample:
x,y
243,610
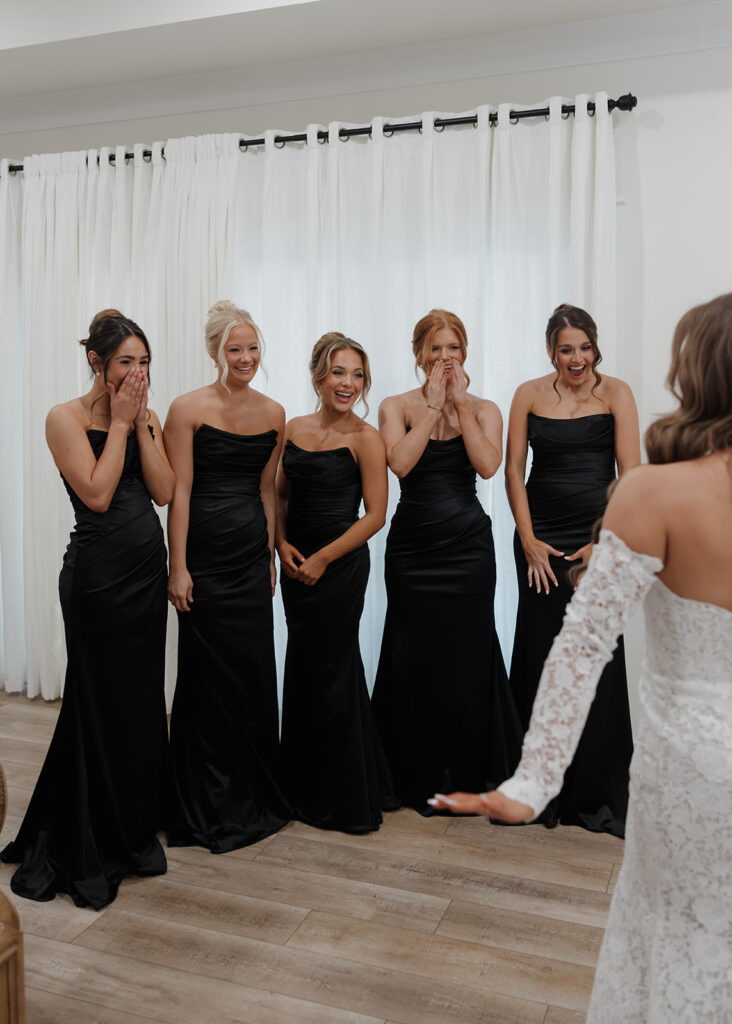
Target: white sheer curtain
x,y
498,224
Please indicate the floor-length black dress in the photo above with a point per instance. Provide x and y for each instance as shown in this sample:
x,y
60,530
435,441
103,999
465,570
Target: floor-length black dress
x,y
335,771
223,727
441,697
573,465
99,799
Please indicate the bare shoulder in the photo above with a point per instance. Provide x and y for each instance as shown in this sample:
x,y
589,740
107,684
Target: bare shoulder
x,y
298,424
188,405
368,439
614,390
396,403
66,415
530,392
268,405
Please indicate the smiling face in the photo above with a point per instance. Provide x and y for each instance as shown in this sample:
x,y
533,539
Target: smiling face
x,y
241,355
132,353
445,345
344,383
574,356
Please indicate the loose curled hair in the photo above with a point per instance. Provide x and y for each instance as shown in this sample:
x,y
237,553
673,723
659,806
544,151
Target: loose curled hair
x,y
425,330
700,377
572,316
223,317
321,362
107,331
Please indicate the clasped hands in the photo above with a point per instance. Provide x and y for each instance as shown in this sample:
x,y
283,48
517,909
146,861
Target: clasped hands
x,y
297,567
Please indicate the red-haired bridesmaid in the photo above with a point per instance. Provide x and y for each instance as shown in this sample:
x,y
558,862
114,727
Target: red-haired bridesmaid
x,y
441,697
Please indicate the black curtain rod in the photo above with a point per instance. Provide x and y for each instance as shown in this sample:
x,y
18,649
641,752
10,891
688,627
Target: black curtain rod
x,y
625,103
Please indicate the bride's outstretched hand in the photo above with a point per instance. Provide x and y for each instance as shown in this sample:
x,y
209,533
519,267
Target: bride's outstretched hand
x,y
494,804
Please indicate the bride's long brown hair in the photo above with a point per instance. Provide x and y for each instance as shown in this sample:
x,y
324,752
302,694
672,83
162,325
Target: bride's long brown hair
x,y
700,377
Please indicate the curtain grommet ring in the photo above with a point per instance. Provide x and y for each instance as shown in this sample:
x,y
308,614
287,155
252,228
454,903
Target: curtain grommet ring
x,y
547,117
439,127
513,119
147,156
591,110
565,114
343,135
387,131
278,142
128,157
243,146
322,138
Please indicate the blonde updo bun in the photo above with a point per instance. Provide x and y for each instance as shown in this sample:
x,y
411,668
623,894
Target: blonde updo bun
x,y
223,317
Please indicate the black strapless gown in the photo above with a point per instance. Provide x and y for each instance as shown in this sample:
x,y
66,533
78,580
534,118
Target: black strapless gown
x,y
223,729
441,698
99,800
335,769
573,466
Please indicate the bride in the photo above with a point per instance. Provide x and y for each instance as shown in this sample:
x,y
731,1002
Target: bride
x,y
667,952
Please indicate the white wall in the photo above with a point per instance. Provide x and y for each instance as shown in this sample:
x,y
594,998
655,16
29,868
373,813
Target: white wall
x,y
674,156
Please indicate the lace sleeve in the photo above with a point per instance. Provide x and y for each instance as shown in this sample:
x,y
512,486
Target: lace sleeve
x,y
616,580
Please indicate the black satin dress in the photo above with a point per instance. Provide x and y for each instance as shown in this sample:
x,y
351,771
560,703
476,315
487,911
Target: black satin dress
x,y
223,729
99,799
441,698
335,771
573,466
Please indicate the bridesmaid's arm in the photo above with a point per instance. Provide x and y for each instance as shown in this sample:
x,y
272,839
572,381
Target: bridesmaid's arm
x,y
480,425
156,471
404,447
267,490
627,431
537,552
178,438
94,480
372,464
287,552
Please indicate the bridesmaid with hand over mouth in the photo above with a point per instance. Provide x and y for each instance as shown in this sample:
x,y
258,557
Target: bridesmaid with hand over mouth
x,y
335,771
99,800
579,425
441,696
224,441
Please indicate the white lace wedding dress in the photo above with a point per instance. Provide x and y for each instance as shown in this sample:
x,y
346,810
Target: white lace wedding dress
x,y
667,953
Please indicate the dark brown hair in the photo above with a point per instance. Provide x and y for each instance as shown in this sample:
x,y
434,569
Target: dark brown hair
x,y
700,377
107,331
572,316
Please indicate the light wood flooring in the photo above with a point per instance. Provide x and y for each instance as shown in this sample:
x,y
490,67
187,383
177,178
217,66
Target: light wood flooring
x,y
427,921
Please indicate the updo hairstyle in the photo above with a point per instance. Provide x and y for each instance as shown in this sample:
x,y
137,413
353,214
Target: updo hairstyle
x,y
108,329
321,361
572,316
425,330
700,377
223,317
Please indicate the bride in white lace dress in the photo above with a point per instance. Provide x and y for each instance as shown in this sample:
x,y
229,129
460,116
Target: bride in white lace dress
x,y
667,540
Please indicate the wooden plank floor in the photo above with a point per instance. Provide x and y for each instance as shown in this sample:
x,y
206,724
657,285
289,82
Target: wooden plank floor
x,y
427,921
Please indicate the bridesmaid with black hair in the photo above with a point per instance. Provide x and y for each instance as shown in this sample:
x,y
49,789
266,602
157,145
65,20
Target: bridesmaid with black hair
x,y
224,441
335,772
579,426
99,800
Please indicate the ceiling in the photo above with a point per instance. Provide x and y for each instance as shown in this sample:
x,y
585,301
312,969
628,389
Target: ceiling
x,y
89,62
46,46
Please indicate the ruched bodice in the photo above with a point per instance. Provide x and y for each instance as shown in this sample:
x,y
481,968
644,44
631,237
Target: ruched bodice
x,y
227,526
438,500
573,465
130,500
226,464
324,495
